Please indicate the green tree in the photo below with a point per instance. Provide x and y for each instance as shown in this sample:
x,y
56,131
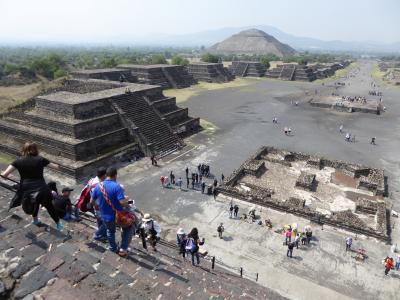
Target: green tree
x,y
158,59
108,62
60,73
8,68
210,58
302,61
264,60
179,60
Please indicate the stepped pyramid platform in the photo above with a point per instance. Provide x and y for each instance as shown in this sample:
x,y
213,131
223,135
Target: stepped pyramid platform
x,y
105,74
81,130
210,72
328,69
304,73
51,265
291,72
166,76
247,68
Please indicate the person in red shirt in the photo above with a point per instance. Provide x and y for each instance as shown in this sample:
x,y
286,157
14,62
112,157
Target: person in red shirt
x,y
388,265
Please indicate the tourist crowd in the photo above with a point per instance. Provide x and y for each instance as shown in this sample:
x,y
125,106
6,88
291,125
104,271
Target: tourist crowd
x,y
106,199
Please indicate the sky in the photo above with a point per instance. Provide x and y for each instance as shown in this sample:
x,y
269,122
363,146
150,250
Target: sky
x,y
102,21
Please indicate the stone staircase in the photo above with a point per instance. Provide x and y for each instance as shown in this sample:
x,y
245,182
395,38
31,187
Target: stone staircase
x,y
178,118
158,136
43,262
287,72
240,69
178,77
169,78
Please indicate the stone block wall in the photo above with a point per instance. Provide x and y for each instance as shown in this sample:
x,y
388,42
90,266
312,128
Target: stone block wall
x,y
344,219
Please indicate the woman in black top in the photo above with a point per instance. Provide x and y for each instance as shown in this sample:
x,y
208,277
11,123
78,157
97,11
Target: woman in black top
x,y
30,167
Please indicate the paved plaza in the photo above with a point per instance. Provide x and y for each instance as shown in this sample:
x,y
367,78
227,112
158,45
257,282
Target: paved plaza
x,y
240,121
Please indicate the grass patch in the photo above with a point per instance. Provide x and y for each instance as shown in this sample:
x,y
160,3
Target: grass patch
x,y
208,126
377,74
5,159
238,82
183,95
339,73
13,95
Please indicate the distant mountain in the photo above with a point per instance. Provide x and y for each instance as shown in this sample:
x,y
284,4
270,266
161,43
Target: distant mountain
x,y
210,37
252,41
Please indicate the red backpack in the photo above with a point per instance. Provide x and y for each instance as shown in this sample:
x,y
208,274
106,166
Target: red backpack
x,y
84,198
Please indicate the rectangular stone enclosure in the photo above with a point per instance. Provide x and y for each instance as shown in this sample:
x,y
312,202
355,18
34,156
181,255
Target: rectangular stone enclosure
x,y
333,192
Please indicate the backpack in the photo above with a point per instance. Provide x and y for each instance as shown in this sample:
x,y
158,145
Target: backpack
x,y
152,231
84,198
190,245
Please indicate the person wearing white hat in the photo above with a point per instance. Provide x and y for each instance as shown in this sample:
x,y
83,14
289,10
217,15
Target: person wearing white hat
x,y
181,239
152,230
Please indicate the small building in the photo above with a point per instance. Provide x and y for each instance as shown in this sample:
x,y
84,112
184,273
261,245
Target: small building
x,y
210,72
247,69
166,76
111,74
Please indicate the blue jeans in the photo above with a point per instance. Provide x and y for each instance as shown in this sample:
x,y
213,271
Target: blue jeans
x,y
111,228
101,232
126,236
196,253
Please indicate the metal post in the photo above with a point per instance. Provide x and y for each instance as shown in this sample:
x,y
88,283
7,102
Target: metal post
x,y
256,277
213,262
241,272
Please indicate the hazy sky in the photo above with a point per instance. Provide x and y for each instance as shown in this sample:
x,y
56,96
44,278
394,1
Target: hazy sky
x,y
112,20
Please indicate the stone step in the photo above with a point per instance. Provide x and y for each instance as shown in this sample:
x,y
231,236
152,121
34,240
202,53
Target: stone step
x,y
80,268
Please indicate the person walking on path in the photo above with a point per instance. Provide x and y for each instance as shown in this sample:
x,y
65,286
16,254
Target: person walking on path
x,y
162,180
235,211
398,262
231,211
215,193
288,236
297,240
193,243
222,177
388,265
187,182
203,187
220,230
181,239
187,172
153,160
30,167
349,242
152,230
341,129
289,252
179,182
